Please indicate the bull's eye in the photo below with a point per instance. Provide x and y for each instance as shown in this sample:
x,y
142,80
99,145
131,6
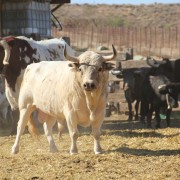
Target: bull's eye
x,y
79,69
100,69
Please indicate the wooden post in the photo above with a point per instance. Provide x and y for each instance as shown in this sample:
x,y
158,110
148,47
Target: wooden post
x,y
155,37
132,37
170,41
108,29
150,40
145,36
178,39
1,18
176,36
120,34
92,36
140,40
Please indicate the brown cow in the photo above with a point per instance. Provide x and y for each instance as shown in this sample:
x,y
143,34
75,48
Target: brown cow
x,y
18,52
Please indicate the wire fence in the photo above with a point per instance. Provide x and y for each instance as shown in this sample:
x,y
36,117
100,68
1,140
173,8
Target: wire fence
x,y
144,40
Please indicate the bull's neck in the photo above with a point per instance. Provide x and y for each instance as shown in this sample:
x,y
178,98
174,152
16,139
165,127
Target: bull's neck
x,y
92,100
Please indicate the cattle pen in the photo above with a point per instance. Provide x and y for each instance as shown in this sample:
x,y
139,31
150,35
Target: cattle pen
x,y
129,152
144,40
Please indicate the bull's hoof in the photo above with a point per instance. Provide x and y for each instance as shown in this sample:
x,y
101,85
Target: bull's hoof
x,y
54,150
168,125
143,124
136,118
158,126
149,126
73,151
99,152
130,118
15,150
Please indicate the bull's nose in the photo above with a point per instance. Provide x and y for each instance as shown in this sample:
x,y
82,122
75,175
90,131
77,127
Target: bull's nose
x,y
89,86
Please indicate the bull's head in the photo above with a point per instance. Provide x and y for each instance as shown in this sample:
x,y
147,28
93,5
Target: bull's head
x,y
154,63
163,67
91,67
170,90
117,72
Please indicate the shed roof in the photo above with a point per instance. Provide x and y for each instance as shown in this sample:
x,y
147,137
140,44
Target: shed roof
x,y
60,1
51,1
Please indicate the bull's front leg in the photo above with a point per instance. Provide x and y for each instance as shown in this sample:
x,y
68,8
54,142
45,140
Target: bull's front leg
x,y
168,117
96,132
136,110
149,118
48,125
73,131
24,117
157,117
130,117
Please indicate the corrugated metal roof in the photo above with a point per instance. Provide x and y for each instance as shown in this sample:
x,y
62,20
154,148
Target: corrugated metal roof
x,y
51,1
60,1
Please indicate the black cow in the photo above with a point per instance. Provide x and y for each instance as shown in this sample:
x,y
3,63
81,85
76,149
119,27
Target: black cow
x,y
172,67
159,91
132,85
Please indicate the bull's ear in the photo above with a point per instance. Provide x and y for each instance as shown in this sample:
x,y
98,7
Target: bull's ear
x,y
73,65
151,79
108,66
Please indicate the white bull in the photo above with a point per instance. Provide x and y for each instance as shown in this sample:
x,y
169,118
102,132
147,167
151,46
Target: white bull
x,y
75,91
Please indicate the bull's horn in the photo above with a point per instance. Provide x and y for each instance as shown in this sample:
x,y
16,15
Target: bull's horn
x,y
70,58
152,62
162,89
5,45
112,56
167,100
162,86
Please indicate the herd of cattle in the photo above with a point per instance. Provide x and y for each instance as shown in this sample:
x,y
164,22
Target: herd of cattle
x,y
157,88
64,87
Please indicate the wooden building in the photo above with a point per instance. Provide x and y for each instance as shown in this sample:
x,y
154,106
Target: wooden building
x,y
31,18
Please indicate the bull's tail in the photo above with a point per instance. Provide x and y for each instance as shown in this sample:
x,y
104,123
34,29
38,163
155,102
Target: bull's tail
x,y
32,128
6,47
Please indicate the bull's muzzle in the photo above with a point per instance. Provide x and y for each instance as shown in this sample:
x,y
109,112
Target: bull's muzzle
x,y
89,86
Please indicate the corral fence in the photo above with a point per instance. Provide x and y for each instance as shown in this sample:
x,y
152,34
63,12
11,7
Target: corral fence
x,y
144,40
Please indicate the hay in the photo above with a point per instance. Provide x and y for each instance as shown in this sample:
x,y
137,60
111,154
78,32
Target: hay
x,y
129,153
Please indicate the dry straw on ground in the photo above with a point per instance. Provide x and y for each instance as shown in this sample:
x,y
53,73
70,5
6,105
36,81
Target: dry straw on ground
x,y
129,153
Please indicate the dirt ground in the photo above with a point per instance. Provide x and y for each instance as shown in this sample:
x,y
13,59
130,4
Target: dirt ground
x,y
129,152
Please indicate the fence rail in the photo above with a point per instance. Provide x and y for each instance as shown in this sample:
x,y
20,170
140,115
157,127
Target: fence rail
x,y
145,41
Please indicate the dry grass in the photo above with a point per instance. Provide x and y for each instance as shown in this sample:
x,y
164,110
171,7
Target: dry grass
x,y
159,15
129,153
